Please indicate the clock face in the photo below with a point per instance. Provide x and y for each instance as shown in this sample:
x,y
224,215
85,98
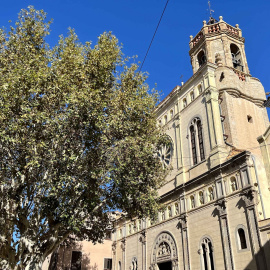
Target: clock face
x,y
165,154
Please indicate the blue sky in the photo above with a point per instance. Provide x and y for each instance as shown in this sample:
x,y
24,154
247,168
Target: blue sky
x,y
134,22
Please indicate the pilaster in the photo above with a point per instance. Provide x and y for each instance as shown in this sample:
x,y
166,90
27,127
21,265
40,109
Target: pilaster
x,y
143,241
248,197
214,123
225,234
185,244
123,248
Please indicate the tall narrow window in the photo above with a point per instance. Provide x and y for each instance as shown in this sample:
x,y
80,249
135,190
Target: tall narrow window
x,y
200,138
201,58
210,194
197,146
171,113
233,184
119,265
169,211
76,260
201,198
192,202
193,145
242,238
200,88
184,103
192,96
163,215
206,251
176,209
236,57
165,119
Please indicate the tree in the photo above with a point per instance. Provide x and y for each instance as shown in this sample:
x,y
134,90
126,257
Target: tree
x,y
78,139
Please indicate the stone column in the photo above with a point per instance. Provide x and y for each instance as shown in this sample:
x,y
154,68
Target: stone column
x,y
178,143
185,247
114,255
213,113
123,247
248,196
142,239
225,234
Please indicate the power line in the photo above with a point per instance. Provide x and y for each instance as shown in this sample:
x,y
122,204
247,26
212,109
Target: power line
x,y
154,35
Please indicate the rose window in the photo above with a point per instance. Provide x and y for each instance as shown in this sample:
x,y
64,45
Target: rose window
x,y
165,154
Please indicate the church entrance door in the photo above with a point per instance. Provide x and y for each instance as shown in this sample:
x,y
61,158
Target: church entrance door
x,y
165,266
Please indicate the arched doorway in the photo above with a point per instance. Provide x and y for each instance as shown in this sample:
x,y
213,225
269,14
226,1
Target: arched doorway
x,y
164,253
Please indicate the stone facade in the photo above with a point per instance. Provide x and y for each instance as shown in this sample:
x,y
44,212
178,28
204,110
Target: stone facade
x,y
217,194
217,213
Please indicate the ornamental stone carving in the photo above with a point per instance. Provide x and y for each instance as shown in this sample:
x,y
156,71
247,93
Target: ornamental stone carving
x,y
114,247
248,196
123,244
221,207
142,238
164,248
183,221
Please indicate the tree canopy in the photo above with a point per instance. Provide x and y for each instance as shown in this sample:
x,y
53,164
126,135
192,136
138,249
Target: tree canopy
x,y
78,139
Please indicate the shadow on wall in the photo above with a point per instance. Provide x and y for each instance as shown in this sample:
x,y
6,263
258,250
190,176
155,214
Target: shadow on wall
x,y
70,256
261,259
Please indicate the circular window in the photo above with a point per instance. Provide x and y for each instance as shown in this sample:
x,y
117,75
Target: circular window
x,y
165,154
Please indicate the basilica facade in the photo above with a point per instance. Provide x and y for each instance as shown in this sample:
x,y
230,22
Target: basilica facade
x,y
216,197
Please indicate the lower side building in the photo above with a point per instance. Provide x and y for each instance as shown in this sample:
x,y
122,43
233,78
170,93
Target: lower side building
x,y
82,255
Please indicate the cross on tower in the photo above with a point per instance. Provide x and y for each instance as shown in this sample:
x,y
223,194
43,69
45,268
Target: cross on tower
x,y
210,10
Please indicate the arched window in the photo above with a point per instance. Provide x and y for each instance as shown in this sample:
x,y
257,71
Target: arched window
x,y
199,88
191,95
135,226
129,229
163,215
201,198
201,58
176,209
192,202
196,141
206,253
119,265
236,57
169,211
242,239
120,233
165,119
134,264
184,103
171,113
200,138
139,224
233,184
210,194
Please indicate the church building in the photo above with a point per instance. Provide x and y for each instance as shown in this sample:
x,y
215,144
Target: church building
x,y
217,213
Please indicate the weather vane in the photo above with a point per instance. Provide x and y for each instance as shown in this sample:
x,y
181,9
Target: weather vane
x,y
210,10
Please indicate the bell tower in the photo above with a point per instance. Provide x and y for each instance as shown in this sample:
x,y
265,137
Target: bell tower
x,y
218,41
